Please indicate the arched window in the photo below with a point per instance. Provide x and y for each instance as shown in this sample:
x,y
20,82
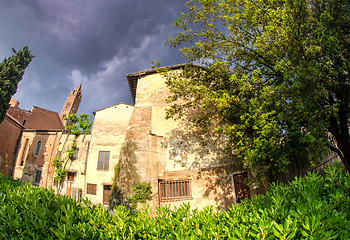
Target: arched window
x,y
24,153
37,148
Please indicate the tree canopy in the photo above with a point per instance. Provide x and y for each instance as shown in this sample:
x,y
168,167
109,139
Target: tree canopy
x,y
275,76
11,72
79,124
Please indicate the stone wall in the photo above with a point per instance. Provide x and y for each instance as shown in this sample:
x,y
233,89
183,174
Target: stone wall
x,y
157,150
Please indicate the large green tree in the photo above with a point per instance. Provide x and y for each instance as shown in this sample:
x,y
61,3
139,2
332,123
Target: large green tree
x,y
11,72
275,77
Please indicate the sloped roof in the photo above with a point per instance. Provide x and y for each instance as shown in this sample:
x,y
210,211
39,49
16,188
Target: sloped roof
x,y
42,119
94,112
133,77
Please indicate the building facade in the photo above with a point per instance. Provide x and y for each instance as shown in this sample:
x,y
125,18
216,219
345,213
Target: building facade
x,y
108,135
33,162
74,183
29,138
180,162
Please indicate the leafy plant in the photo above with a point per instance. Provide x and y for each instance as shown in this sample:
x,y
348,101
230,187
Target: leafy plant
x,y
309,207
275,77
79,124
142,192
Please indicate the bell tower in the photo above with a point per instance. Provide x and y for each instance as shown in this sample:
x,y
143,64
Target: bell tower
x,y
72,104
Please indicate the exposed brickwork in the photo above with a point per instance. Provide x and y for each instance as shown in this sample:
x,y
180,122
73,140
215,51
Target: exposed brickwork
x,y
9,133
42,161
140,123
72,104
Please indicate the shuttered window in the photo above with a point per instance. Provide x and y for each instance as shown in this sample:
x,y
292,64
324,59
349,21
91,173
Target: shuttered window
x,y
174,190
103,160
91,188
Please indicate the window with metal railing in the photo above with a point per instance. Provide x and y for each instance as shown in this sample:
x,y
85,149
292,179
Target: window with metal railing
x,y
174,190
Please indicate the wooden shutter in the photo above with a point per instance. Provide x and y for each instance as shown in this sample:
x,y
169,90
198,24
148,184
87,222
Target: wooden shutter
x,y
103,160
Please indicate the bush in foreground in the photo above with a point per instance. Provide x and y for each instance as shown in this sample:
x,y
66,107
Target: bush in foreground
x,y
312,207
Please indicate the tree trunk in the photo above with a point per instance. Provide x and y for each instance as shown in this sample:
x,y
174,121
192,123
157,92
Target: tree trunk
x,y
340,130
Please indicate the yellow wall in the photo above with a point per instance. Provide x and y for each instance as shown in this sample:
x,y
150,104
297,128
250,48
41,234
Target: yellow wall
x,y
108,134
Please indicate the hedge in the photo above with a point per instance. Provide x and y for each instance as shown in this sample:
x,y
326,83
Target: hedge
x,y
309,207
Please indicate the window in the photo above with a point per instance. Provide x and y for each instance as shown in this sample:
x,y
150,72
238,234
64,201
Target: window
x,y
68,105
70,176
103,160
24,154
91,188
241,189
174,190
37,148
37,176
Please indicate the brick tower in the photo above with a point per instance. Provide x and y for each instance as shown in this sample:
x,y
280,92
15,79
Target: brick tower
x,y
72,104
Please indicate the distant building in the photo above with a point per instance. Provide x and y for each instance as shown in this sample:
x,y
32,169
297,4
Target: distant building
x,y
71,105
29,139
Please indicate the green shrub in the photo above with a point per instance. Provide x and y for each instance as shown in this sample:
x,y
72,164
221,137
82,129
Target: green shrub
x,y
312,207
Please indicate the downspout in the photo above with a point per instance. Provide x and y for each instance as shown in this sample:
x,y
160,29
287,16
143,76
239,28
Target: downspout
x,y
50,159
15,154
85,165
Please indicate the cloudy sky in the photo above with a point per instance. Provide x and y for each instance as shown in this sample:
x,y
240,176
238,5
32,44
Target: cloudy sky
x,y
96,42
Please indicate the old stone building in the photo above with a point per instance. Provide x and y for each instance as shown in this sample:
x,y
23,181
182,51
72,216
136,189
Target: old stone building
x,y
180,162
129,145
108,135
36,142
74,184
71,105
36,149
10,132
18,121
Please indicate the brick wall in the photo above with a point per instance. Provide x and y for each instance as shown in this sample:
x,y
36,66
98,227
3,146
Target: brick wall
x,y
9,134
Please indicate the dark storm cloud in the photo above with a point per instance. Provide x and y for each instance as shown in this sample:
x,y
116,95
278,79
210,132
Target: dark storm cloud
x,y
93,42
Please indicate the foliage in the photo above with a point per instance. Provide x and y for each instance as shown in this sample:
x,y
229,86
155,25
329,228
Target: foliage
x,y
79,124
60,172
142,193
11,72
60,163
312,207
276,77
76,125
115,195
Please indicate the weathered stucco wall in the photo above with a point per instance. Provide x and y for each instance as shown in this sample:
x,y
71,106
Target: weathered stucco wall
x,y
108,134
75,167
157,149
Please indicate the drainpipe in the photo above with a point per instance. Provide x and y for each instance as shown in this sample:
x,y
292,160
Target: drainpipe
x,y
48,167
85,165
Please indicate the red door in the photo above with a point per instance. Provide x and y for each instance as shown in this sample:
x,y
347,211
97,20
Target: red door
x,y
69,188
106,194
